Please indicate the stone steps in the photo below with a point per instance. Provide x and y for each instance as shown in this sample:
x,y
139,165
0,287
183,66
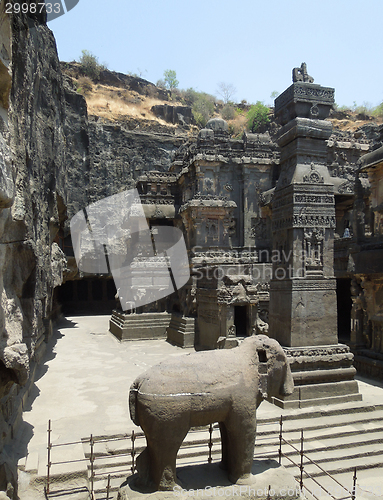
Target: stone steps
x,y
338,441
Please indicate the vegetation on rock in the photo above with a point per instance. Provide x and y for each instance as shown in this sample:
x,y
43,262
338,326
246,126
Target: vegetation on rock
x,y
258,117
90,65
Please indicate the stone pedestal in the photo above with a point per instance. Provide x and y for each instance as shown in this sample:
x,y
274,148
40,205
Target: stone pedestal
x,y
303,303
268,480
142,326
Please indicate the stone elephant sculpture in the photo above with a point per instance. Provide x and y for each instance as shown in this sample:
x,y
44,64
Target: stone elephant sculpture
x,y
224,386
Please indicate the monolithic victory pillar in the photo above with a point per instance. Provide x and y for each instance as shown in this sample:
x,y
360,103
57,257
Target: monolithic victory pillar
x,y
303,304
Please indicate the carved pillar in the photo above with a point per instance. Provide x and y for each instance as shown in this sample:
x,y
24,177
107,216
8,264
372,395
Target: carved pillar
x,y
303,288
303,303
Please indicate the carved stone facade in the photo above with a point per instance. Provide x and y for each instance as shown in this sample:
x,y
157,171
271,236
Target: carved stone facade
x,y
221,181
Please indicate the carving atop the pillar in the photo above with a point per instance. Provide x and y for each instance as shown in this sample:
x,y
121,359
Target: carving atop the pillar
x,y
301,75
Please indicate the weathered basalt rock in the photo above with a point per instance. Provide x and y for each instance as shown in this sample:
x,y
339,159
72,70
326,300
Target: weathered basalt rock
x,y
174,114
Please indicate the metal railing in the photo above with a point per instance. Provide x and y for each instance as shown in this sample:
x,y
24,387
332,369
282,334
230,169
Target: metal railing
x,y
136,444
128,467
301,466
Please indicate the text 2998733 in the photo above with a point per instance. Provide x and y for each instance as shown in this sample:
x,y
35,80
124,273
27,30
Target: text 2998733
x,y
33,8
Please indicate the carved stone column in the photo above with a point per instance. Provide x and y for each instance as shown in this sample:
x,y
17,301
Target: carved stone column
x,y
303,311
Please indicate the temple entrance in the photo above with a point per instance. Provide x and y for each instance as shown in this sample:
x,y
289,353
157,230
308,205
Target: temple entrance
x,y
344,304
240,320
88,295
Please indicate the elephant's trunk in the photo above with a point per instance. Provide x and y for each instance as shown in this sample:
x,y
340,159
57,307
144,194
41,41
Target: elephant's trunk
x,y
288,386
133,402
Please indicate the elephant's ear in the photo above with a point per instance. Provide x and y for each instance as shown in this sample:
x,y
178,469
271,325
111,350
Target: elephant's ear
x,y
262,370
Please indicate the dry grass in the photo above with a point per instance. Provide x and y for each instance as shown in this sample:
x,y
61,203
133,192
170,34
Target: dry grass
x,y
237,125
352,125
116,104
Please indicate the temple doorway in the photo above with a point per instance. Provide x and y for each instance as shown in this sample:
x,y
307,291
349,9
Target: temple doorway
x,y
240,320
344,304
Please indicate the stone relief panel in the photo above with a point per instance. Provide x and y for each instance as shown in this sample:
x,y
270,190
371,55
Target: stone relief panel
x,y
313,249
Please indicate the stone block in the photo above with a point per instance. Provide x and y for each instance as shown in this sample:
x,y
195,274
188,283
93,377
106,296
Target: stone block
x,y
306,100
303,312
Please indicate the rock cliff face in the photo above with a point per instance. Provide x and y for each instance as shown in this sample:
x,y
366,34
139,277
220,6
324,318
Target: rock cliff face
x,y
36,148
119,156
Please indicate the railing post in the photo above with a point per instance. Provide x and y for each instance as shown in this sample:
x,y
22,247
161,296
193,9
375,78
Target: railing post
x,y
301,466
91,463
210,443
354,486
108,488
49,456
133,452
280,440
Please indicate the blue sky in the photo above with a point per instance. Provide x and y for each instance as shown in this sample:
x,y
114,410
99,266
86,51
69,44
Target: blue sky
x,y
251,44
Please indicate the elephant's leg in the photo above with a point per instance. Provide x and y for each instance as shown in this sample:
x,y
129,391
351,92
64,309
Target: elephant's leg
x,y
143,468
240,447
163,447
222,428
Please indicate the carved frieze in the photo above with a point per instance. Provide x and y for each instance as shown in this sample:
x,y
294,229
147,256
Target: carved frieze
x,y
332,350
304,220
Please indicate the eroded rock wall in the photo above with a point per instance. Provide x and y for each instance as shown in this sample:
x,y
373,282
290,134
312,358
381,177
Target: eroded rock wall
x,y
36,146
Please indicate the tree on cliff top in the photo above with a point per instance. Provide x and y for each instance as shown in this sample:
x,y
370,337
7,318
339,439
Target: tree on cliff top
x,y
227,91
170,79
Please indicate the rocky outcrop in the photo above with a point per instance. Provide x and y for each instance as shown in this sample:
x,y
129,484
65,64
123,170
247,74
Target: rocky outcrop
x,y
181,115
115,79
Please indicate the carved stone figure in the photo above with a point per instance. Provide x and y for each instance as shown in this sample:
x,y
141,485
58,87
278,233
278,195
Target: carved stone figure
x,y
301,75
224,386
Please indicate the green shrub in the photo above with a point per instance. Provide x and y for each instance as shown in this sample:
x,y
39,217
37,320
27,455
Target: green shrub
x,y
85,85
378,111
203,108
258,117
190,96
90,65
228,112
